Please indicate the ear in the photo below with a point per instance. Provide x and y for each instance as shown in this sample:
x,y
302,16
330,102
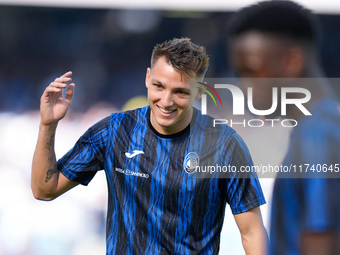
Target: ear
x,y
147,77
295,64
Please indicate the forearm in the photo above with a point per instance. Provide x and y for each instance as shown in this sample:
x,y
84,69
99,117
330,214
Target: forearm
x,y
45,174
254,235
255,242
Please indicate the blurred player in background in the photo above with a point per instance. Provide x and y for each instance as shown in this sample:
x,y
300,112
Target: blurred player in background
x,y
155,206
278,39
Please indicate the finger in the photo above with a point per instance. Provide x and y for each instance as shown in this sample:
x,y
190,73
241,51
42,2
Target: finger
x,y
66,77
67,74
70,92
58,85
49,91
63,79
53,89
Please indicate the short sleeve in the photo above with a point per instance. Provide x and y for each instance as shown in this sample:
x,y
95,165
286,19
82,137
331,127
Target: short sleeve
x,y
244,189
81,163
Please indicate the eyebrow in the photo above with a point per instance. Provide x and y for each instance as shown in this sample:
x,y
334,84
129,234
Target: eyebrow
x,y
154,80
177,88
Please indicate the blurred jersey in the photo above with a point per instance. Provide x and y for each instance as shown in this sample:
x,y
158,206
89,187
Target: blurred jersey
x,y
308,200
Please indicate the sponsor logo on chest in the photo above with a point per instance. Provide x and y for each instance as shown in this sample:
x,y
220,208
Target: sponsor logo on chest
x,y
132,173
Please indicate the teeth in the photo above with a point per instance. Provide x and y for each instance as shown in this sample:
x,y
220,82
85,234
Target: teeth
x,y
166,111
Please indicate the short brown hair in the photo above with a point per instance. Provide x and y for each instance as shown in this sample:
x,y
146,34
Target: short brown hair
x,y
183,55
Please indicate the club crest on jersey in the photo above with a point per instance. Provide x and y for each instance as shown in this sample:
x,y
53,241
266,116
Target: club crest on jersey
x,y
191,162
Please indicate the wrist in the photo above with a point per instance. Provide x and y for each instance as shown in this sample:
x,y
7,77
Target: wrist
x,y
48,127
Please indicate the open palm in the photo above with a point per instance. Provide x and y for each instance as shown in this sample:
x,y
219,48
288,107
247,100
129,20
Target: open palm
x,y
53,106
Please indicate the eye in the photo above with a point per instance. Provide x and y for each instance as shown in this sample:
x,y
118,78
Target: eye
x,y
158,86
183,92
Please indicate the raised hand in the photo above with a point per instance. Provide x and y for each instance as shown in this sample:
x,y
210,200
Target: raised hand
x,y
53,106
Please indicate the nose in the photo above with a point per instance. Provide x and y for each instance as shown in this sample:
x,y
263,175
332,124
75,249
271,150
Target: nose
x,y
167,99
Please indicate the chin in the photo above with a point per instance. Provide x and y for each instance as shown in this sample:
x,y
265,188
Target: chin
x,y
165,124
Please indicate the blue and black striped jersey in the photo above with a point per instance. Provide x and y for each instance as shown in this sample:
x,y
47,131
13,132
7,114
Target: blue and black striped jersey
x,y
155,205
306,200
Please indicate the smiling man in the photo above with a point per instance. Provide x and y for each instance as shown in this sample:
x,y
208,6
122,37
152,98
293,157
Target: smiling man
x,y
155,205
169,97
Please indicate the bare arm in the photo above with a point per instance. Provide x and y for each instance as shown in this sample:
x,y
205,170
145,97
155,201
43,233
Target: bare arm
x,y
47,182
253,233
326,243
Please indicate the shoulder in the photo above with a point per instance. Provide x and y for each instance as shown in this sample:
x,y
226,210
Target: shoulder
x,y
127,118
115,121
324,121
315,141
217,132
220,138
131,114
318,132
211,125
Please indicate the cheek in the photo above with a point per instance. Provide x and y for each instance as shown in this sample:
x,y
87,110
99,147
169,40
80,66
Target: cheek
x,y
182,100
153,95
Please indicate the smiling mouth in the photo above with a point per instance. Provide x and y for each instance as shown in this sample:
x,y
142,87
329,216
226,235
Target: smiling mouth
x,y
166,111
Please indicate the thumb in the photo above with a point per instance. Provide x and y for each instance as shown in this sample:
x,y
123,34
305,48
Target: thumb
x,y
70,92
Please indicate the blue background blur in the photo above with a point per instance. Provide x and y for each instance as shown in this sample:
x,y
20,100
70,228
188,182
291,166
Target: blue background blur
x,y
108,51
